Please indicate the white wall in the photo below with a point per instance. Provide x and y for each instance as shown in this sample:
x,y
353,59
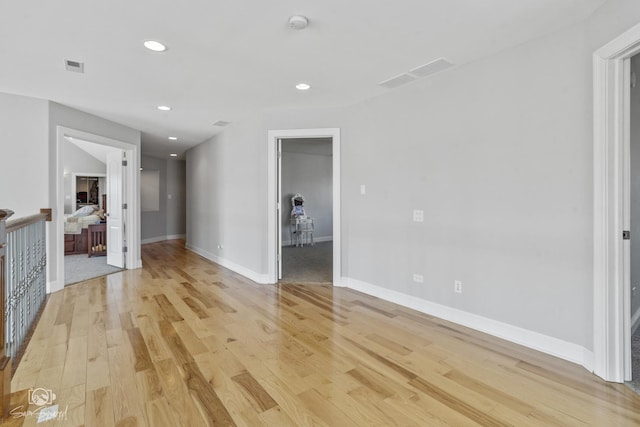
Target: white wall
x,y
24,154
309,174
498,154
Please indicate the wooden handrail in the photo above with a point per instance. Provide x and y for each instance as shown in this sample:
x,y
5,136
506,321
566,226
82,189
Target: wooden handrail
x,y
5,214
19,223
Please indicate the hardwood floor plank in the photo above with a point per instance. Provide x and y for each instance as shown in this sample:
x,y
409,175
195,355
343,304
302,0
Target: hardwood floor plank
x,y
99,408
75,367
126,399
205,397
182,407
71,402
159,413
140,351
254,391
184,342
170,313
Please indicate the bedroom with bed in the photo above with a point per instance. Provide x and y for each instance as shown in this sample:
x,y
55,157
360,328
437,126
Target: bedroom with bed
x,y
85,230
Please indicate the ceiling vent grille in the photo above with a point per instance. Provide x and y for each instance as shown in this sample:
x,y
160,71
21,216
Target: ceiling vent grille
x,y
75,66
396,81
221,123
432,67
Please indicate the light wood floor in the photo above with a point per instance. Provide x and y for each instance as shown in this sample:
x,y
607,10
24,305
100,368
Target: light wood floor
x,y
183,342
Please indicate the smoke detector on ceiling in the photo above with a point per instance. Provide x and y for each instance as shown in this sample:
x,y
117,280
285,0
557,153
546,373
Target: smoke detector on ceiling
x,y
298,22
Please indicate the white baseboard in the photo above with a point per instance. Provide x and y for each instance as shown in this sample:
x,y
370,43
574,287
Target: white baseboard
x,y
52,286
250,274
635,321
162,238
546,344
315,240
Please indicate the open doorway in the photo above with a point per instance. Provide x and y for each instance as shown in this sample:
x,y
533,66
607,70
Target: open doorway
x,y
86,209
306,220
612,207
122,170
278,209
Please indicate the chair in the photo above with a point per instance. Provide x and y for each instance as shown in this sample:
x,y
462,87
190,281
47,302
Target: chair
x,y
300,225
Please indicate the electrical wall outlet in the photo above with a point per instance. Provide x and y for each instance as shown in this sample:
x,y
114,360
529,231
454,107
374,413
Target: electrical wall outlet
x,y
418,215
457,286
363,189
219,247
418,278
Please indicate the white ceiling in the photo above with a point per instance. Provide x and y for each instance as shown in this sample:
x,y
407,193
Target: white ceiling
x,y
227,59
98,151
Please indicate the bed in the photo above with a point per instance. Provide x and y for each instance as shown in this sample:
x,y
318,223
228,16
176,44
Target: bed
x,y
76,232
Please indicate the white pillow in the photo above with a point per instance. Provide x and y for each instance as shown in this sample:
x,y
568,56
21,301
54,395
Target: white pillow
x,y
83,211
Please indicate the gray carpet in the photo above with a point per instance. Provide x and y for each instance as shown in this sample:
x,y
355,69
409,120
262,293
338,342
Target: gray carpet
x,y
308,264
635,362
78,268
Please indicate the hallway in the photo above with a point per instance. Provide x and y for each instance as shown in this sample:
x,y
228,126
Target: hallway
x,y
184,342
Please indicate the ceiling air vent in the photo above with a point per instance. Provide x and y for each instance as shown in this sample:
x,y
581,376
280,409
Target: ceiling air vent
x,y
396,81
221,123
431,68
75,66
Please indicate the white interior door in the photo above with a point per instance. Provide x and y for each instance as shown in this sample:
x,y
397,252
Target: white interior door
x,y
279,204
115,217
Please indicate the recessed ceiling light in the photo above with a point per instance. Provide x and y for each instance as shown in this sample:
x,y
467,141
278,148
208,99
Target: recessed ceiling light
x,y
155,46
163,108
173,138
303,86
173,155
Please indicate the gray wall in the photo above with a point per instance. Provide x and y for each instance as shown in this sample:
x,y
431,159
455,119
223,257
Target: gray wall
x,y
77,160
170,220
307,169
24,150
177,191
499,155
635,188
154,224
226,196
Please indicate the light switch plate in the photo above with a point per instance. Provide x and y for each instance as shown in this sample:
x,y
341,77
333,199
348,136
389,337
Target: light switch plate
x,y
418,215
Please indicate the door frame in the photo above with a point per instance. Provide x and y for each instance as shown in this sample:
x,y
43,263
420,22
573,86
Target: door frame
x,y
132,191
612,300
273,202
